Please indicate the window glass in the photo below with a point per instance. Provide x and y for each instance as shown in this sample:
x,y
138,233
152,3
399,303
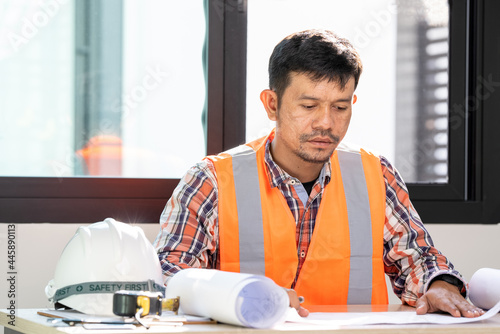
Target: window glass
x,y
36,86
402,108
101,88
164,87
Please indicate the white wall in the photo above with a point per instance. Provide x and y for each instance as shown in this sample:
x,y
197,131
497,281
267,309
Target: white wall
x,y
470,247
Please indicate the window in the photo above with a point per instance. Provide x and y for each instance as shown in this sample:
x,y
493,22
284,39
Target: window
x,y
404,49
104,105
441,78
104,88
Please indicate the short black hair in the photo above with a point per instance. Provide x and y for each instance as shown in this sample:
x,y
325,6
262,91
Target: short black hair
x,y
321,54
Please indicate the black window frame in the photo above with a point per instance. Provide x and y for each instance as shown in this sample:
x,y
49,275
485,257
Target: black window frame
x,y
470,196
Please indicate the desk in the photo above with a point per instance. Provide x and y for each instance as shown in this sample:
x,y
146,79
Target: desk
x,y
29,322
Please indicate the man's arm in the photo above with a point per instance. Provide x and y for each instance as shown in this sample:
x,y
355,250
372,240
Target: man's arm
x,y
411,260
189,236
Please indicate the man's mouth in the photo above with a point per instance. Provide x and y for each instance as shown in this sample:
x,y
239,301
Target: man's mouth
x,y
322,140
321,143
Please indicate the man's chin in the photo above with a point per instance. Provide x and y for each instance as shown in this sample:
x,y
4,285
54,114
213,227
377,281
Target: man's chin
x,y
315,159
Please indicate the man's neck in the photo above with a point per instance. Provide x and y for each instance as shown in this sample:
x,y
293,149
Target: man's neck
x,y
302,170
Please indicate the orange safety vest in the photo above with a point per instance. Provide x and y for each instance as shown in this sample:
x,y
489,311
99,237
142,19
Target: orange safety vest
x,y
344,263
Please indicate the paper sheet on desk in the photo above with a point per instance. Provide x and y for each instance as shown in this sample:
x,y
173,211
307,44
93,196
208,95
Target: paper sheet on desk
x,y
164,319
373,318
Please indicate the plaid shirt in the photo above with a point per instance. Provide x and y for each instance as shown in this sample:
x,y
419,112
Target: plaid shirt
x,y
189,229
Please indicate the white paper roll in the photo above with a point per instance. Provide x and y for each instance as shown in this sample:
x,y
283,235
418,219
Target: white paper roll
x,y
233,298
484,288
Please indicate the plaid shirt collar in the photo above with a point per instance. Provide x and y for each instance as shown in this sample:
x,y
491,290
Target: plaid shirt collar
x,y
277,175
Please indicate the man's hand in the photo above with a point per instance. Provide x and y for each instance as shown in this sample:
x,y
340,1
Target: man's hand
x,y
442,296
294,302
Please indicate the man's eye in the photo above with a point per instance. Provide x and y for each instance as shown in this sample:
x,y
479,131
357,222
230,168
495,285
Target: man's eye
x,y
341,108
308,106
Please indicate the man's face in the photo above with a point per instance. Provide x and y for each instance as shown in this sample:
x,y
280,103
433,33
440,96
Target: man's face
x,y
312,119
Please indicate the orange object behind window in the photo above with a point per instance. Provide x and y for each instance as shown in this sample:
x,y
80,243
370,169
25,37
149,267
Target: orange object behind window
x,y
103,155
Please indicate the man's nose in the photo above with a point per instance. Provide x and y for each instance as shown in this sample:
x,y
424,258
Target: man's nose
x,y
324,119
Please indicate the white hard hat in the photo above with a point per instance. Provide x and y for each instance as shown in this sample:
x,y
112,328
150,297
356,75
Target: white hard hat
x,y
101,259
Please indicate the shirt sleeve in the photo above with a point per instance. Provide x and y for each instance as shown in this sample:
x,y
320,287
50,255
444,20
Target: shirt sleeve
x,y
188,237
411,261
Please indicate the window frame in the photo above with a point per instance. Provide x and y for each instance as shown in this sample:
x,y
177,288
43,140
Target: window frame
x,y
83,200
471,195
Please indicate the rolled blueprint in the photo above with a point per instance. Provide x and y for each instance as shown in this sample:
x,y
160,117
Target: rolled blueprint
x,y
233,298
484,288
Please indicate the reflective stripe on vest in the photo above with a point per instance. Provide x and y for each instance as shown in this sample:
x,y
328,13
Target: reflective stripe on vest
x,y
360,229
251,233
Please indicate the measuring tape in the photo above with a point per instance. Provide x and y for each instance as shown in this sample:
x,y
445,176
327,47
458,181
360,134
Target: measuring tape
x,y
142,303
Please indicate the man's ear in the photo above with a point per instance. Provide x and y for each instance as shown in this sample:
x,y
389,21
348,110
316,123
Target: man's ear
x,y
354,98
270,101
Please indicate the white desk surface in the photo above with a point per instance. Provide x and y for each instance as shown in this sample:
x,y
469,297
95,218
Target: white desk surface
x,y
29,322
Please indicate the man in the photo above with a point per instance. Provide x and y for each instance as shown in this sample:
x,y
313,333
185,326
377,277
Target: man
x,y
324,221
